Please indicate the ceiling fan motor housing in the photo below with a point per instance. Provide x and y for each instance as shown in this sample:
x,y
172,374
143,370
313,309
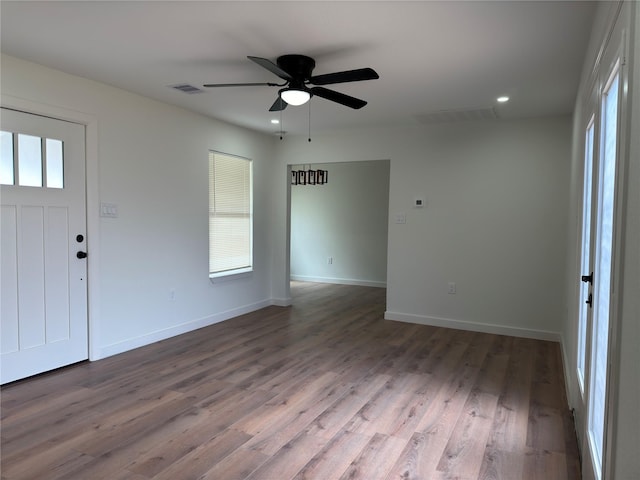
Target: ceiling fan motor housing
x,y
298,66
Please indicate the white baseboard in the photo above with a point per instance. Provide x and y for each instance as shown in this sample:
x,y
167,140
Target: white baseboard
x,y
570,379
472,326
339,281
132,343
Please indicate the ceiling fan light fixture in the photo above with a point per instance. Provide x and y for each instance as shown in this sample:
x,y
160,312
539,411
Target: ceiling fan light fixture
x,y
294,96
296,71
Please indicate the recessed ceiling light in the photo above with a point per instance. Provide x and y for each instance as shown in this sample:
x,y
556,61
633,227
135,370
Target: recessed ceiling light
x,y
275,121
503,99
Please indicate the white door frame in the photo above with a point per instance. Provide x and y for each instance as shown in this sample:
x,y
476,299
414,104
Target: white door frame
x,y
92,201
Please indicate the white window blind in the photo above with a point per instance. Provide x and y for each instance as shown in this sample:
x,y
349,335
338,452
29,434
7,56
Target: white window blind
x,y
230,215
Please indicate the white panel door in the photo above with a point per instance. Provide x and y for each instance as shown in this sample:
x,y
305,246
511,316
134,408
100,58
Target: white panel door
x,y
43,267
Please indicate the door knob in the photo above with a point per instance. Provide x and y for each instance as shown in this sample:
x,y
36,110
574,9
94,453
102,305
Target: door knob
x,y
587,278
81,254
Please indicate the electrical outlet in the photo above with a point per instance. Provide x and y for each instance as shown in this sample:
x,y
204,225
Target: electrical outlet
x,y
329,260
452,288
172,295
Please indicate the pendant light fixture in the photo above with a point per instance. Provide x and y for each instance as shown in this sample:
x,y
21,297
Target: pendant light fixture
x,y
309,177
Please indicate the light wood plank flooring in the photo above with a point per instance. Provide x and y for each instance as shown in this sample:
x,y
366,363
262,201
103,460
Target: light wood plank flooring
x,y
325,389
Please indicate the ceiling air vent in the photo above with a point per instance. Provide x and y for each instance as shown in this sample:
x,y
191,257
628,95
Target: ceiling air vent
x,y
460,115
186,88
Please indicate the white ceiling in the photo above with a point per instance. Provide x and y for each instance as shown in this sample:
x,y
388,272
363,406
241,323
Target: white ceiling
x,y
430,56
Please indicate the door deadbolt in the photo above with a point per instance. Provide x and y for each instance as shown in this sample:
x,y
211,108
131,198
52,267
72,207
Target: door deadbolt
x,y
587,278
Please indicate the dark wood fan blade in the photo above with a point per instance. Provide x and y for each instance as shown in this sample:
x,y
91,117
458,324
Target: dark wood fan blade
x,y
338,97
347,76
213,85
278,105
272,67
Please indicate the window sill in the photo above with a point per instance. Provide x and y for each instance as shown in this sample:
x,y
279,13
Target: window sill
x,y
230,276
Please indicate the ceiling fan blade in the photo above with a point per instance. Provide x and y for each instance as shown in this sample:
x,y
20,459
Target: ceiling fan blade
x,y
212,85
278,105
272,67
338,97
343,77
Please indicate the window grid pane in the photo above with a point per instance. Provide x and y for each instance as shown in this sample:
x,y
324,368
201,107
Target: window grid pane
x,y
6,158
55,163
29,160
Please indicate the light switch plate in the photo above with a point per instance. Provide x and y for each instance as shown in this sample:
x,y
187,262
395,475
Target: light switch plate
x,y
401,218
109,210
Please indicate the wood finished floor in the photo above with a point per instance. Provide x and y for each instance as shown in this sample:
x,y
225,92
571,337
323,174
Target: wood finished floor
x,y
325,389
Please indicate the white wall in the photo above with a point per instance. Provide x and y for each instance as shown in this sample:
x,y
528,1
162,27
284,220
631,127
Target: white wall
x,y
494,220
152,161
345,219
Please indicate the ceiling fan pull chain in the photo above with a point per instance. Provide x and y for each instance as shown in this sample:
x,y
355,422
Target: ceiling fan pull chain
x,y
281,125
309,121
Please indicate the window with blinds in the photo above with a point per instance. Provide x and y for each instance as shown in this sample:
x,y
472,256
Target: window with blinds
x,y
230,215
